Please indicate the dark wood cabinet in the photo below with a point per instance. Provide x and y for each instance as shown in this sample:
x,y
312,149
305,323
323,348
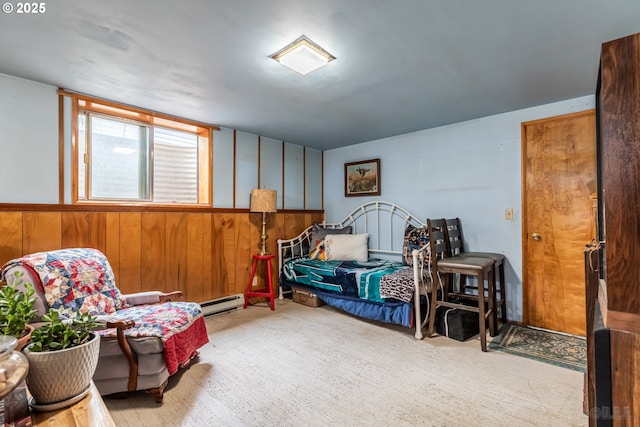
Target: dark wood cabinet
x,y
613,268
619,149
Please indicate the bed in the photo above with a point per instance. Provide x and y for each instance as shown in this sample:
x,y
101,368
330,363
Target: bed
x,y
373,264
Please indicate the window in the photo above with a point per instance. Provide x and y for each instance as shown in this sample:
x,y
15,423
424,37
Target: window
x,y
129,156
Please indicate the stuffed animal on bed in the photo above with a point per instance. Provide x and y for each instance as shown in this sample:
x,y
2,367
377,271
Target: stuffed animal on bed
x,y
318,251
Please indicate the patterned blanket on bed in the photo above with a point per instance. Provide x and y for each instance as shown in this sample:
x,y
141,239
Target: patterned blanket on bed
x,y
373,280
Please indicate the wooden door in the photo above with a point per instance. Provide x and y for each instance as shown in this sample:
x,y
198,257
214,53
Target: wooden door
x,y
559,180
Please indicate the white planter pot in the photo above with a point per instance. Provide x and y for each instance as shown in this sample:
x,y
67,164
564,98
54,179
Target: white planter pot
x,y
56,376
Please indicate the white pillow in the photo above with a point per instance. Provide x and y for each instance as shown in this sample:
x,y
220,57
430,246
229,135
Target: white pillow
x,y
346,247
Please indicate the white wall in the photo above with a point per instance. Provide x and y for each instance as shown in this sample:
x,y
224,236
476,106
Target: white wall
x,y
28,141
261,156
29,172
471,170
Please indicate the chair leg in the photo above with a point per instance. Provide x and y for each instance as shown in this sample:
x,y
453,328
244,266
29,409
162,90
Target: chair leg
x,y
491,296
491,292
249,286
481,314
447,286
270,283
187,362
503,294
499,290
158,392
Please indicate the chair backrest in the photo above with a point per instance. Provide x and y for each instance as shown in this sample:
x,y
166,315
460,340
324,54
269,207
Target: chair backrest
x,y
454,235
437,240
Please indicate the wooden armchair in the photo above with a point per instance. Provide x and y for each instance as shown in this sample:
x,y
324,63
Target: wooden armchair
x,y
139,348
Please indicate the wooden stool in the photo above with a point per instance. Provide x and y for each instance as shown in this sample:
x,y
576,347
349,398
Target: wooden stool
x,y
443,262
263,292
453,231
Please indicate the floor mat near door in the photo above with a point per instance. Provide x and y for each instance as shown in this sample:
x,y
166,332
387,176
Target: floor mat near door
x,y
567,351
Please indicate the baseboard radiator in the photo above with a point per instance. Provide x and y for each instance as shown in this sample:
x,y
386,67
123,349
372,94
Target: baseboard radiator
x,y
222,305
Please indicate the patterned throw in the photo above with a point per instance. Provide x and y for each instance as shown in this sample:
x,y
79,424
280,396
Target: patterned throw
x,y
180,325
73,280
399,285
81,280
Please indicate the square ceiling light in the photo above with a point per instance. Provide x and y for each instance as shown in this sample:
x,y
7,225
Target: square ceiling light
x,y
303,56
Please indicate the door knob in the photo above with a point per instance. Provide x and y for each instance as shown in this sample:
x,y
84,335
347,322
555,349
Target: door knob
x,y
536,236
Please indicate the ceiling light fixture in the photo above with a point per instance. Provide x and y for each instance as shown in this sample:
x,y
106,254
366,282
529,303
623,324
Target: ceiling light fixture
x,y
303,56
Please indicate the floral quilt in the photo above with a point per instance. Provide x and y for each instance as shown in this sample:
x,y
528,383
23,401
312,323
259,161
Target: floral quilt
x,y
75,280
180,325
81,280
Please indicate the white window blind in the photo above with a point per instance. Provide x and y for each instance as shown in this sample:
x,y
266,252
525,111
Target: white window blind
x,y
175,166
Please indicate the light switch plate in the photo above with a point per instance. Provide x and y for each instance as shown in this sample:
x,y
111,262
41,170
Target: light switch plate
x,y
508,213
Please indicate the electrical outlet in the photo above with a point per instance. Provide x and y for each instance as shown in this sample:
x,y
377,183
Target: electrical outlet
x,y
508,213
254,282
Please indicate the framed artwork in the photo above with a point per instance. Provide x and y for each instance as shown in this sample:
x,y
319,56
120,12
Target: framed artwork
x,y
362,178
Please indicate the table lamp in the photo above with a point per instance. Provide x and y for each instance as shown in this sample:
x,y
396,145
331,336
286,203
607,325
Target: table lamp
x,y
263,201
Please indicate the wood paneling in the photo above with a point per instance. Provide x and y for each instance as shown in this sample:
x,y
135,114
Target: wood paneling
x,y
131,266
11,232
42,231
153,252
84,229
112,244
280,229
224,269
75,230
195,258
245,245
176,255
206,255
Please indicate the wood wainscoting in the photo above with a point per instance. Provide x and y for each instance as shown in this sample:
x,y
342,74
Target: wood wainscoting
x,y
206,254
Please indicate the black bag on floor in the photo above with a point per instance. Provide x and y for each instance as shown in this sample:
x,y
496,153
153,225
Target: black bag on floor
x,y
457,324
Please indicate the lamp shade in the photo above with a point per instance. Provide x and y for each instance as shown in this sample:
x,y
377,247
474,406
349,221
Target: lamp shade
x,y
263,200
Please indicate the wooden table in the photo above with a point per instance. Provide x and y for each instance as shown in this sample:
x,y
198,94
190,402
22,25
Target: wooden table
x,y
89,412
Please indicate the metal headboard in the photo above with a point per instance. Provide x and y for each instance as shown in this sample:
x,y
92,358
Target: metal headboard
x,y
385,222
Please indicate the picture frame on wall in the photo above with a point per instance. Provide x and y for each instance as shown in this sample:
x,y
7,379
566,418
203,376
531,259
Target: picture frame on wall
x,y
362,178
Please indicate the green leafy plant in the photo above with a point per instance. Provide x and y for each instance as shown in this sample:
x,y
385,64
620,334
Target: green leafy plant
x,y
16,307
60,333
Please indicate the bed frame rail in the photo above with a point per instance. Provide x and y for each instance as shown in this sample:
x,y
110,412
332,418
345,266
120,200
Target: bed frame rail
x,y
385,222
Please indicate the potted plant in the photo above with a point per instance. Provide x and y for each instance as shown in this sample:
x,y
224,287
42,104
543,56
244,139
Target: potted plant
x,y
16,310
62,355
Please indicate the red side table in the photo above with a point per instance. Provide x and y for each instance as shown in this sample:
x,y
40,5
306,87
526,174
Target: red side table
x,y
264,292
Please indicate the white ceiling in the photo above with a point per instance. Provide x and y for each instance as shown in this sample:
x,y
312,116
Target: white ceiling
x,y
401,65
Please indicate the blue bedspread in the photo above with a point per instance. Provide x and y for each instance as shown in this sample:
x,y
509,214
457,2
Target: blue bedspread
x,y
351,286
354,279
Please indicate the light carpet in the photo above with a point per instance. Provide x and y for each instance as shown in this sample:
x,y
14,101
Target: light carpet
x,y
302,366
563,350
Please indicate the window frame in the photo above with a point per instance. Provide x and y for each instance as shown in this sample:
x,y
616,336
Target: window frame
x,y
111,110
87,154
